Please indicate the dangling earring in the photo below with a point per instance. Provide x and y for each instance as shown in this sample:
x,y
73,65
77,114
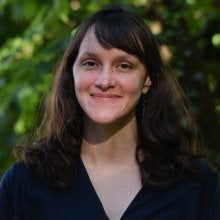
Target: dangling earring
x,y
143,104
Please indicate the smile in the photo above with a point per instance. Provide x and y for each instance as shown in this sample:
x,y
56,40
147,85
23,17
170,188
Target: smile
x,y
105,96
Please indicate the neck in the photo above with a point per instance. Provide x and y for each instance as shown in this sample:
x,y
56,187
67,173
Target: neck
x,y
104,145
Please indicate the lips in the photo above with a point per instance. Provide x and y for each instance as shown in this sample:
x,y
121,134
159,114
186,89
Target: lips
x,y
105,95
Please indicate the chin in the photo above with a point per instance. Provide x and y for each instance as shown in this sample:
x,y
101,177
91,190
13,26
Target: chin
x,y
110,121
103,121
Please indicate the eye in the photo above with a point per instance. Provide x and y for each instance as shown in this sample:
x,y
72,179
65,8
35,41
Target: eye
x,y
124,67
90,64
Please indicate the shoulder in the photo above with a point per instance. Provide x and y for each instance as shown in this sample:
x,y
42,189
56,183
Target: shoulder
x,y
200,196
17,175
209,188
18,169
207,175
8,176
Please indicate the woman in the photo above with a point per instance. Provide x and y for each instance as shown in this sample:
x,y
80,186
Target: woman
x,y
117,141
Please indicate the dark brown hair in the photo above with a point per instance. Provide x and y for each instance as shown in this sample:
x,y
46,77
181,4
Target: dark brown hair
x,y
166,129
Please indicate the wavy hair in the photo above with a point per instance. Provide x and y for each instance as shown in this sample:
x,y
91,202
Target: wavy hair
x,y
166,152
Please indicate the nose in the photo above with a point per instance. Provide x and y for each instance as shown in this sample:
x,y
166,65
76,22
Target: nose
x,y
105,79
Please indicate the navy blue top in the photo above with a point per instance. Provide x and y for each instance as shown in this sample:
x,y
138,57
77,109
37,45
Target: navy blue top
x,y
23,197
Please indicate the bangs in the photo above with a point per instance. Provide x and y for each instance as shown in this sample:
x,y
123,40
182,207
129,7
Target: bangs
x,y
120,34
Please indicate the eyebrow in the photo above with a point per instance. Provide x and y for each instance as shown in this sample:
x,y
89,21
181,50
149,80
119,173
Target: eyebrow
x,y
120,57
88,54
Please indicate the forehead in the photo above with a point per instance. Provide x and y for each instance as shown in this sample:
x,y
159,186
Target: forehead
x,y
89,40
90,46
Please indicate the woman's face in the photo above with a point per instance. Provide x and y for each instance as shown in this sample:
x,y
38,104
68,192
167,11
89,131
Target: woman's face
x,y
108,82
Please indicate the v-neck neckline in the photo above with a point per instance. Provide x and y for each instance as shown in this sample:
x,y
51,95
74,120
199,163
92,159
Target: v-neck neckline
x,y
92,188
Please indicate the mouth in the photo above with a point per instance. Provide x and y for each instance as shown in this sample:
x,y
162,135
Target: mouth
x,y
105,96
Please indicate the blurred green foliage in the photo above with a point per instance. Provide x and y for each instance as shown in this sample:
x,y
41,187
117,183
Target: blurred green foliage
x,y
34,34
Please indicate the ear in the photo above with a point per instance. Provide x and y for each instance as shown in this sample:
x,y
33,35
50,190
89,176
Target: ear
x,y
147,85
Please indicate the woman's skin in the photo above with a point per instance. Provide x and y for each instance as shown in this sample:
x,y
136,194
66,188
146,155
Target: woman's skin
x,y
108,86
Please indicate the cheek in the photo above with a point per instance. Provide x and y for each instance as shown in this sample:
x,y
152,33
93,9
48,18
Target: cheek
x,y
82,82
133,87
80,85
78,81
